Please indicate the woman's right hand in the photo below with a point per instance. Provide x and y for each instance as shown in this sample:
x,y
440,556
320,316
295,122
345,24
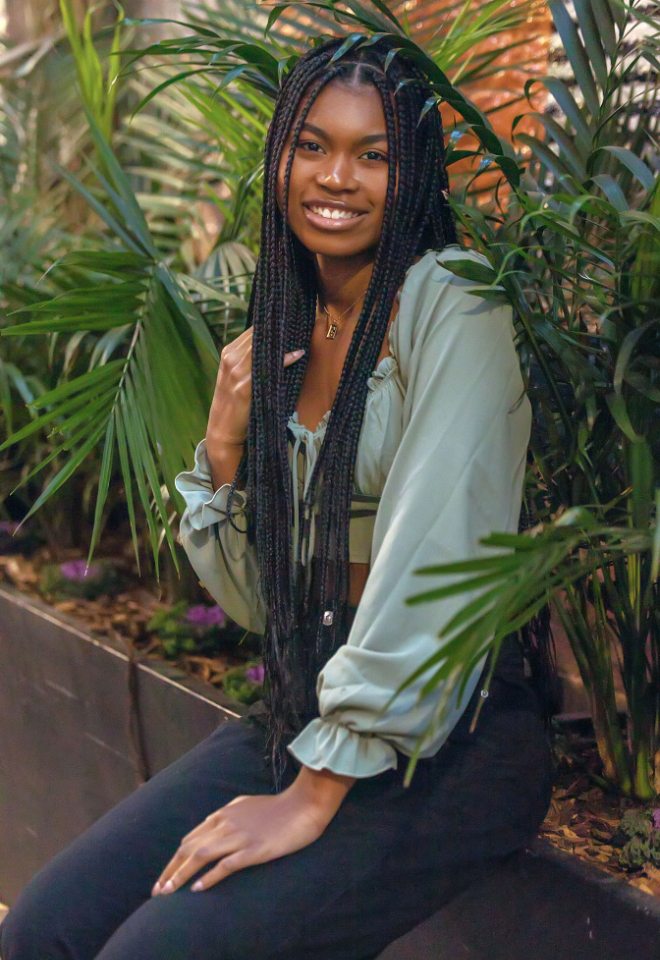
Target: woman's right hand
x,y
230,410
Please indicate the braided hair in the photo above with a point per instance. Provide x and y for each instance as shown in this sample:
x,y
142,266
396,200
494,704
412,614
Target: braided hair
x,y
306,604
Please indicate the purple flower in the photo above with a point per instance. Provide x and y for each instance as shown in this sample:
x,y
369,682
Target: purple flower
x,y
255,674
8,526
203,616
656,818
76,570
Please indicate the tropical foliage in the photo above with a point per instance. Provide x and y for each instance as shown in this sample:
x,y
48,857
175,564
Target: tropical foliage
x,y
133,316
577,253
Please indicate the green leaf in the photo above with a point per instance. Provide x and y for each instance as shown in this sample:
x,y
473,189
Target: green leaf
x,y
617,405
67,470
105,475
593,40
634,164
576,54
576,115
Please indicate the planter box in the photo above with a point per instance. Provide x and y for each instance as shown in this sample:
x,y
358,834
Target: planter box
x,y
72,748
543,905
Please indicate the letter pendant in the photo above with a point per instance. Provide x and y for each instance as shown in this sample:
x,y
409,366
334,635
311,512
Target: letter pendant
x,y
332,331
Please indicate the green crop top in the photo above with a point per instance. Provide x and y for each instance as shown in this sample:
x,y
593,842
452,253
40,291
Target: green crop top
x,y
440,465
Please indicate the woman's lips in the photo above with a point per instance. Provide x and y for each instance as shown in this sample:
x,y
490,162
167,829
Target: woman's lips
x,y
325,223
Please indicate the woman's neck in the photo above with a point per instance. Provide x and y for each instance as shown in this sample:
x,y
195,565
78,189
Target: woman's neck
x,y
341,280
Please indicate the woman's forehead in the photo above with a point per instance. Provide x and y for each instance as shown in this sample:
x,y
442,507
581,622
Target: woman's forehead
x,y
340,107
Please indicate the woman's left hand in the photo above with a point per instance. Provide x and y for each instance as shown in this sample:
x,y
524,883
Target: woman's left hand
x,y
247,831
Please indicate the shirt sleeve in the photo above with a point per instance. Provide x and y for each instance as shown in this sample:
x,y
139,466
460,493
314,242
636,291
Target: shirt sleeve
x,y
218,548
457,476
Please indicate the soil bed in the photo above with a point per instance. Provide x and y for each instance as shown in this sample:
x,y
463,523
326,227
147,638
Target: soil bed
x,y
583,817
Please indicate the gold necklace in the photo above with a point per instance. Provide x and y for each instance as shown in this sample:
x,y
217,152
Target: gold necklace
x,y
333,324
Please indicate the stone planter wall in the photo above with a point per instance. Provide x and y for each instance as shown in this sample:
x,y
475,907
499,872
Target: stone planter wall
x,y
72,746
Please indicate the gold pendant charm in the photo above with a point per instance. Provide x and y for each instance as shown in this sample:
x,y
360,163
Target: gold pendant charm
x,y
332,331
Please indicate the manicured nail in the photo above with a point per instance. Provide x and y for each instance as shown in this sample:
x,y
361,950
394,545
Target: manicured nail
x,y
155,889
168,887
298,353
197,886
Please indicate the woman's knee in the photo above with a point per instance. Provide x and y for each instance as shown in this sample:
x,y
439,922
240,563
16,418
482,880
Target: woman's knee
x,y
31,930
220,925
62,913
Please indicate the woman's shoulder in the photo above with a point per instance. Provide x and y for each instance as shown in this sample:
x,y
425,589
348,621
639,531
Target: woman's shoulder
x,y
432,265
435,303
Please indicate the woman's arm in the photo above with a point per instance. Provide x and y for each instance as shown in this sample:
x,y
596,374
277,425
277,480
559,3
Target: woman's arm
x,y
216,544
456,477
217,547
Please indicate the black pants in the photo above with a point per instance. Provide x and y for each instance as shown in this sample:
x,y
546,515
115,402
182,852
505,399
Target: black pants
x,y
389,858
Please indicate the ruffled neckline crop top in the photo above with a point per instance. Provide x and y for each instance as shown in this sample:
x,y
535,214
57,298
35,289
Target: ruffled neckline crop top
x,y
377,443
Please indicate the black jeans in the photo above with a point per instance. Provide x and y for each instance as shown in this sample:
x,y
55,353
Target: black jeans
x,y
389,858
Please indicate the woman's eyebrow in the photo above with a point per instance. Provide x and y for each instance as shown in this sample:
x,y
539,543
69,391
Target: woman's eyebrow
x,y
370,138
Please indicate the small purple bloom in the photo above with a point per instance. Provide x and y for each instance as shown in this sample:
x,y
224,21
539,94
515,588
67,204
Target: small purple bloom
x,y
256,674
75,570
8,526
656,818
203,616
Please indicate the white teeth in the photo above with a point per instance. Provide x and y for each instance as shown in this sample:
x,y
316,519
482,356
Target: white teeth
x,y
334,214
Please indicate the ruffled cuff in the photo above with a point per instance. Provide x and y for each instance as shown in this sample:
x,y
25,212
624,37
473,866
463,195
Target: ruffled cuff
x,y
326,745
205,506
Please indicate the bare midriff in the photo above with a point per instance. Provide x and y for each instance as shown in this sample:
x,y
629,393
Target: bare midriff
x,y
357,577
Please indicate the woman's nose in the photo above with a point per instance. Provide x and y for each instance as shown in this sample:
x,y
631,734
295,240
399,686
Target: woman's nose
x,y
337,172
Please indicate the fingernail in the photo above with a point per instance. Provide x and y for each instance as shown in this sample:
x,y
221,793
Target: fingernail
x,y
298,353
197,885
168,887
155,890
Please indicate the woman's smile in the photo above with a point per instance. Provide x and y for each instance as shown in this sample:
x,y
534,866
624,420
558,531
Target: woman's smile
x,y
326,217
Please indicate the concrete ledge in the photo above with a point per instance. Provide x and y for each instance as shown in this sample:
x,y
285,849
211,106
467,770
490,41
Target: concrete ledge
x,y
73,742
543,905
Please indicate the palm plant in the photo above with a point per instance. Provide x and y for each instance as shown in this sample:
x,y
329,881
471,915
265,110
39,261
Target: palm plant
x,y
127,320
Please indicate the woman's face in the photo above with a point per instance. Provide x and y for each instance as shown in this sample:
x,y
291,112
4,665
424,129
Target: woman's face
x,y
338,178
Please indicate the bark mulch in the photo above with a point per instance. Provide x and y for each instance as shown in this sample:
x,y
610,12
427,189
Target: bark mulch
x,y
583,818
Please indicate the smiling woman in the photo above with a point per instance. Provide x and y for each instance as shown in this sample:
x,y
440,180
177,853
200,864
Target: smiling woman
x,y
371,420
336,208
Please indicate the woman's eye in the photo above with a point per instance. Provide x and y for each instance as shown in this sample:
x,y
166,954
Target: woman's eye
x,y
374,154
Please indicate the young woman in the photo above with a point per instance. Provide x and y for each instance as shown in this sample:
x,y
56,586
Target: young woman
x,y
370,420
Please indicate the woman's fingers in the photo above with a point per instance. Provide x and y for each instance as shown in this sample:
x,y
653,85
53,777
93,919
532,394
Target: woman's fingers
x,y
292,356
189,860
183,852
228,865
171,868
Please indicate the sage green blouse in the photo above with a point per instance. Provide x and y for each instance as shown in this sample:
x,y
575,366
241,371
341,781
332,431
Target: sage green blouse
x,y
440,464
